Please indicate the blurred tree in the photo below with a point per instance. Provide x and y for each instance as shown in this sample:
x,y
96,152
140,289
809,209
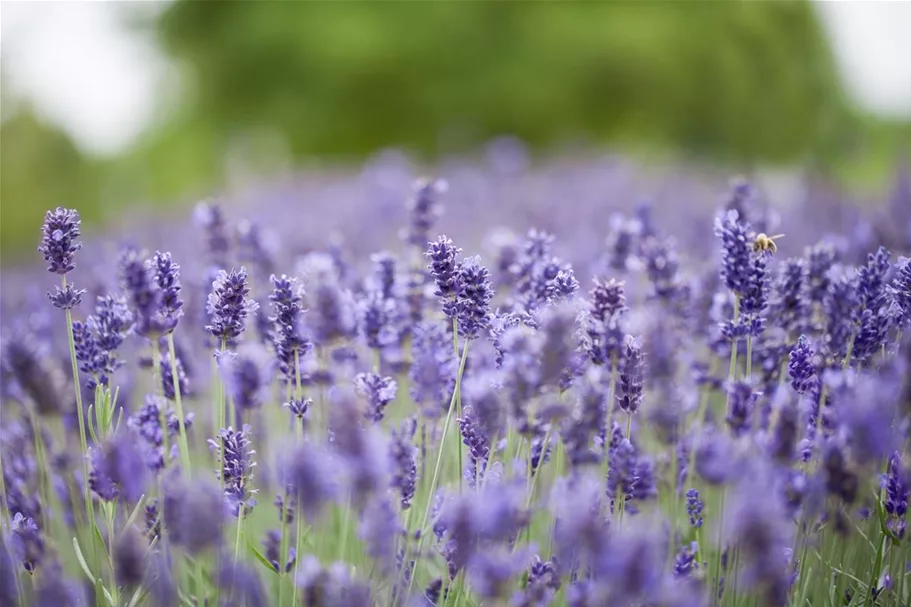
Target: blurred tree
x,y
741,81
40,168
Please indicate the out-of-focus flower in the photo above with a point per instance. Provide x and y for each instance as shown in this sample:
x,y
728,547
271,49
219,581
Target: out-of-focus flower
x,y
118,470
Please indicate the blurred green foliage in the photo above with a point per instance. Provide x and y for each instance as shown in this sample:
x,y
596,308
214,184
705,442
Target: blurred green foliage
x,y
735,82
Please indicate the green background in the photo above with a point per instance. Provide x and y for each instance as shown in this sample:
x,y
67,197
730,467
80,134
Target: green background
x,y
733,83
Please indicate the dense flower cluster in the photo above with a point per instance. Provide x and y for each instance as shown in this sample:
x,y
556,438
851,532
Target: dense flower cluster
x,y
449,430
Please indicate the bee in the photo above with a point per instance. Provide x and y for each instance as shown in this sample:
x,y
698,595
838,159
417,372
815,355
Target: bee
x,y
765,243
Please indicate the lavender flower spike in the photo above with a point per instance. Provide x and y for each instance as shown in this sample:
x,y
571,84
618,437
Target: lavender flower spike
x,y
60,239
475,293
445,271
236,470
229,304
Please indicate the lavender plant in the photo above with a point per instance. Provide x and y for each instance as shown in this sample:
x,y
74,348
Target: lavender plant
x,y
695,430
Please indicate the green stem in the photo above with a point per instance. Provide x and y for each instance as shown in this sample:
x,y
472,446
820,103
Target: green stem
x,y
456,395
749,357
240,532
439,462
299,536
178,404
717,578
80,411
162,413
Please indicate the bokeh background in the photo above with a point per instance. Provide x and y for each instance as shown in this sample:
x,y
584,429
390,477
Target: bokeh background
x,y
113,106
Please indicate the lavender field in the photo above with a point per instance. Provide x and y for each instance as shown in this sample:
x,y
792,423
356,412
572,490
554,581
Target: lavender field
x,y
567,383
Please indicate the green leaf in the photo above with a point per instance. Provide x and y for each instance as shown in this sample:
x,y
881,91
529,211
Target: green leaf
x,y
261,558
81,559
90,425
135,512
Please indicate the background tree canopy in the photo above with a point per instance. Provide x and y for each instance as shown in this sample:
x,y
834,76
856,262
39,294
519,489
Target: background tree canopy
x,y
737,82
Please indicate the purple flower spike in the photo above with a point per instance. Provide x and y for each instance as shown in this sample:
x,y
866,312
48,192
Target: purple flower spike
x,y
229,304
60,240
475,293
235,457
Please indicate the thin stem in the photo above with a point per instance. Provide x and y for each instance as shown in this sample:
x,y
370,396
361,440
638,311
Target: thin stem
x,y
178,404
749,356
436,469
162,413
80,411
240,532
299,539
456,395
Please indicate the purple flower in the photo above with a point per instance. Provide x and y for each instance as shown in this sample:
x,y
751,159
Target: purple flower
x,y
272,548
478,444
194,513
820,259
166,274
139,285
229,304
491,571
146,423
424,209
118,470
790,305
897,484
445,271
129,556
901,291
383,278
481,393
840,304
632,372
662,268
60,239
331,315
475,293
299,408
785,435
587,421
254,247
431,377
27,541
241,585
379,529
685,563
801,367
376,318
247,375
758,525
55,591
741,404
66,298
754,298
287,338
235,457
630,476
210,217
9,585
379,392
26,361
841,481
736,256
608,299
309,473
330,586
694,508
404,466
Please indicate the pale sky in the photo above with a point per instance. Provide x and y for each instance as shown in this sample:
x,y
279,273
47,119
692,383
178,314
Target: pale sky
x,y
86,71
